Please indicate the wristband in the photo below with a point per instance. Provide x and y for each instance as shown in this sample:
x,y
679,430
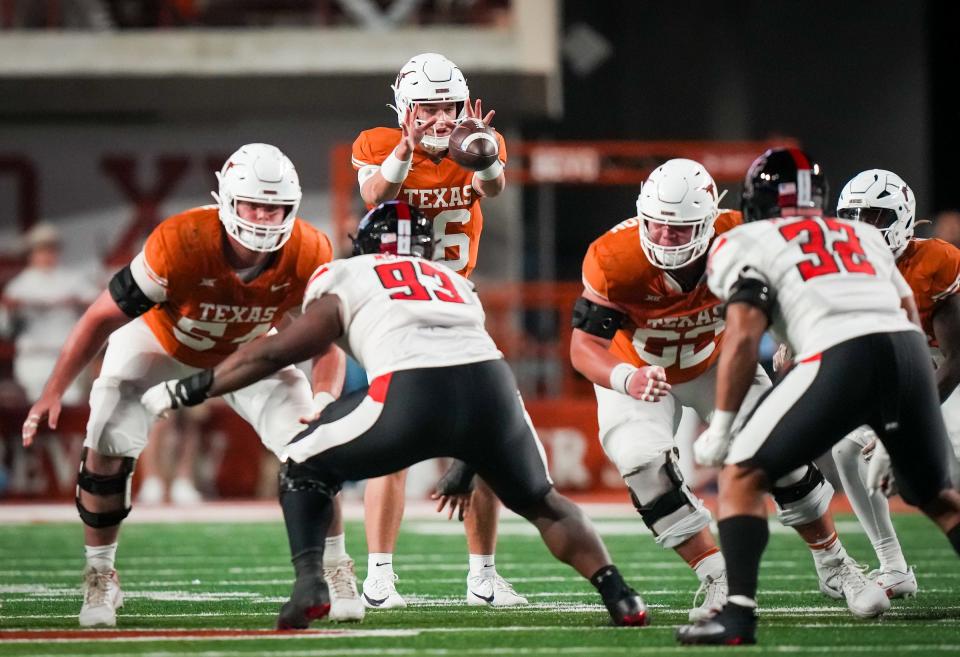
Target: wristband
x,y
394,170
722,421
620,376
492,172
192,390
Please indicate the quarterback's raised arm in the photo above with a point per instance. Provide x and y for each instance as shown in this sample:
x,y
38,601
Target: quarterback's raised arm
x,y
310,334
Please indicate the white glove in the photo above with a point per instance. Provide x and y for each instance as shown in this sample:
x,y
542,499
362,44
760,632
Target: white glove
x,y
711,447
880,472
160,399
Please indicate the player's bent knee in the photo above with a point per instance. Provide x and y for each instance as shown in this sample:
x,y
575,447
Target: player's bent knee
x,y
665,503
802,500
105,486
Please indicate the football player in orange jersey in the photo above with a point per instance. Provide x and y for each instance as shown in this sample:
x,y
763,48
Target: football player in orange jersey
x,y
207,280
648,333
410,163
932,269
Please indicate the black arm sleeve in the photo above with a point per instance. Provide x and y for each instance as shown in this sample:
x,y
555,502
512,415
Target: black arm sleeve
x,y
754,292
128,295
595,319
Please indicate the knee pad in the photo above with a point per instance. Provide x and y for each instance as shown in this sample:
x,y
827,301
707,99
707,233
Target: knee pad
x,y
802,497
297,477
104,486
666,504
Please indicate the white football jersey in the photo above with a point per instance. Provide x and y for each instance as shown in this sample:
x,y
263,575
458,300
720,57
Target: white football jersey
x,y
401,312
832,279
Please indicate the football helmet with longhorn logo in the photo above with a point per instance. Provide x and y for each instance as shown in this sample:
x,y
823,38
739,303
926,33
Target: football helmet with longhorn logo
x,y
395,227
780,181
682,195
258,173
430,78
881,198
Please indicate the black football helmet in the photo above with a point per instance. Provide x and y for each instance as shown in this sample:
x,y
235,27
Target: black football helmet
x,y
395,227
783,178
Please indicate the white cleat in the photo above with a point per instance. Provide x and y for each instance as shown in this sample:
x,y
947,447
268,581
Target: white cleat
x,y
101,597
184,493
844,578
714,591
380,592
492,591
152,492
345,604
896,584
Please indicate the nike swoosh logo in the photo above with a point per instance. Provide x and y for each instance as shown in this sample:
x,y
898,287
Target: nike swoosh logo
x,y
483,597
375,603
385,563
274,288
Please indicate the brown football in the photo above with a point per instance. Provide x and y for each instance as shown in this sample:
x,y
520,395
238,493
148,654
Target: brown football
x,y
473,145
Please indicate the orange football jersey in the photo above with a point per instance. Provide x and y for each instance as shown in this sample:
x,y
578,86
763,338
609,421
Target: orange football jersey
x,y
679,331
209,311
442,190
932,269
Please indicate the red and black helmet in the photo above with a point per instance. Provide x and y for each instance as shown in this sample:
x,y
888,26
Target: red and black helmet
x,y
783,178
395,227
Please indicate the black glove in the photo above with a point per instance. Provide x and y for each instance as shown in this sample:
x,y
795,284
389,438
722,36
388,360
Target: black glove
x,y
191,390
457,480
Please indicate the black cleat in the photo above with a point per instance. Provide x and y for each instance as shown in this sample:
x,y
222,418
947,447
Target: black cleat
x,y
732,626
309,601
628,610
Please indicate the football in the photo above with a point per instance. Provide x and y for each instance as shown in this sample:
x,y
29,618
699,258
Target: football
x,y
473,145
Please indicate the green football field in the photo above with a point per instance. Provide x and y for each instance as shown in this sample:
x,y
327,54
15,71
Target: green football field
x,y
214,590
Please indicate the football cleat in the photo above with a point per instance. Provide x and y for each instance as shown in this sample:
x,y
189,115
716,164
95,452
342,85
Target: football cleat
x,y
493,591
731,626
101,597
380,592
184,493
844,578
628,610
345,604
714,591
896,584
309,601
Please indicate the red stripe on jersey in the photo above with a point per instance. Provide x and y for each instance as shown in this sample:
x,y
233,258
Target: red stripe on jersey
x,y
378,388
316,274
812,359
800,158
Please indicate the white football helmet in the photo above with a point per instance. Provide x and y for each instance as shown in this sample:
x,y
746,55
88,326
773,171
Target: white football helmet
x,y
678,193
881,198
258,173
430,78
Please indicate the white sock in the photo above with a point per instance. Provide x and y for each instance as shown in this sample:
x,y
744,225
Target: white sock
x,y
379,564
872,511
101,557
712,566
334,550
827,550
482,565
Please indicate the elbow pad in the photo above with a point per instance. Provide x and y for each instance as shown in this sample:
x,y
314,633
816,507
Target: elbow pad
x,y
595,319
754,292
128,295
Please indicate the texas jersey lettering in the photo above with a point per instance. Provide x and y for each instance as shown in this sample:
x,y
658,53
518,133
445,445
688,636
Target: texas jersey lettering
x,y
931,268
442,190
677,330
205,311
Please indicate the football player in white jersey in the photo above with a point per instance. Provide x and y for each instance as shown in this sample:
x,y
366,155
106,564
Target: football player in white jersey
x,y
438,387
830,290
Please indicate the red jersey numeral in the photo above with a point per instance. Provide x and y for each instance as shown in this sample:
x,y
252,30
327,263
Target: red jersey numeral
x,y
403,274
846,255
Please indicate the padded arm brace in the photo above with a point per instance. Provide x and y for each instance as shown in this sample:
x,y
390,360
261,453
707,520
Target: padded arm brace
x,y
754,292
595,319
128,295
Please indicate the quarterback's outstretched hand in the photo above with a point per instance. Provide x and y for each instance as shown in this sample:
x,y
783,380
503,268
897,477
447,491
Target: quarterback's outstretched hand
x,y
648,384
711,448
412,133
48,406
880,472
475,111
177,393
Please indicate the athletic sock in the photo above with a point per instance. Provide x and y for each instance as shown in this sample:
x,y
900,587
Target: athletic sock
x,y
709,564
482,565
335,550
101,557
827,550
379,564
743,539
